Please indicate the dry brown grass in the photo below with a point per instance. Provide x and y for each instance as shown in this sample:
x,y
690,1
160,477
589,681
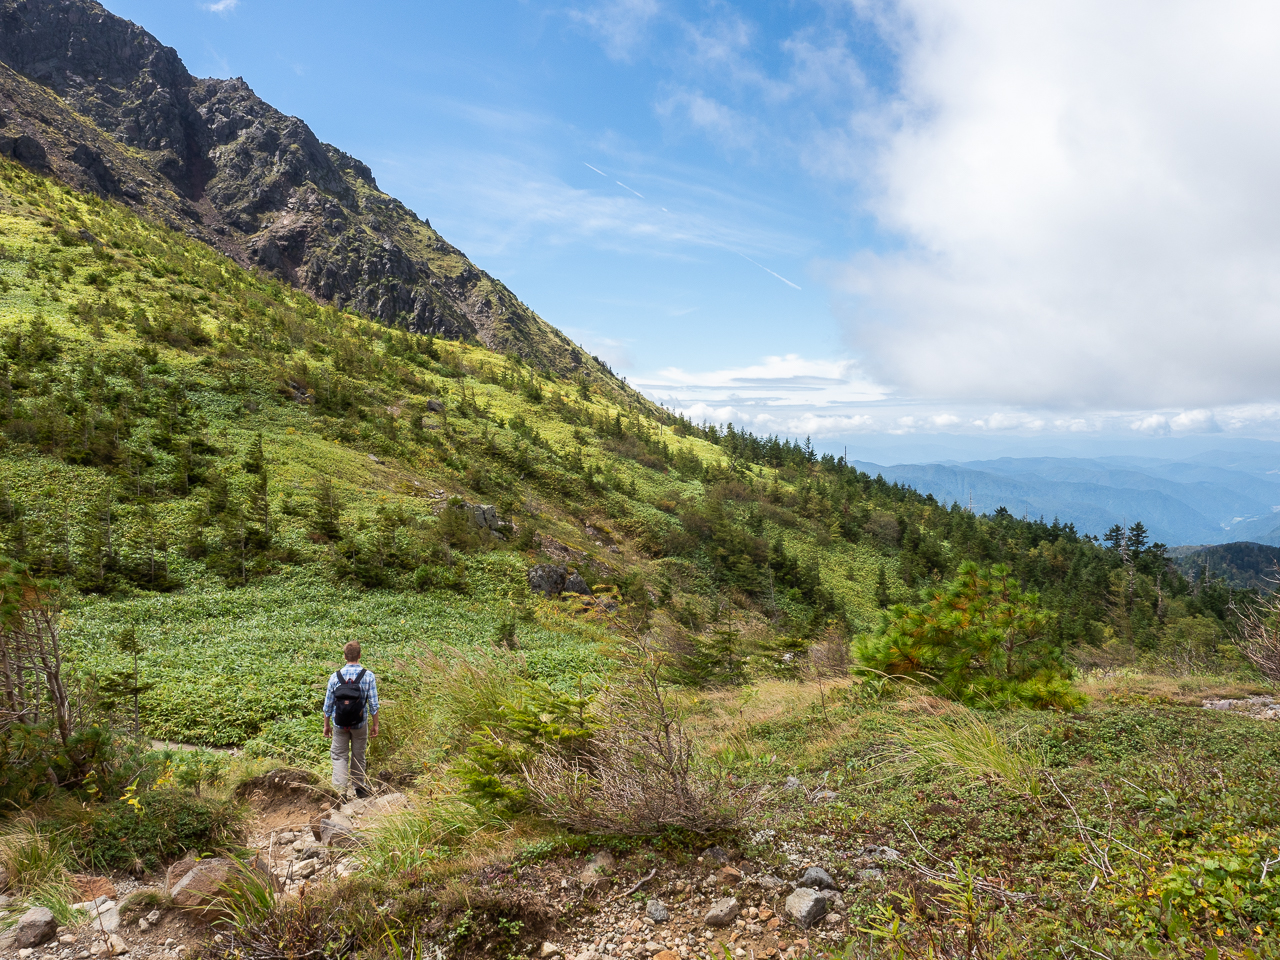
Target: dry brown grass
x,y
722,720
1187,690
643,770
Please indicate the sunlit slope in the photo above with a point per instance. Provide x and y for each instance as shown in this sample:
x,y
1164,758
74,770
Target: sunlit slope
x,y
248,480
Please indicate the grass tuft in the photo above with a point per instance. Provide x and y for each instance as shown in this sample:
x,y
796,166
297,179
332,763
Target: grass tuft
x,y
957,742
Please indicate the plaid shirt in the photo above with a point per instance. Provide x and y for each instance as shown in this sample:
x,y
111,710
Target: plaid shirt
x,y
368,683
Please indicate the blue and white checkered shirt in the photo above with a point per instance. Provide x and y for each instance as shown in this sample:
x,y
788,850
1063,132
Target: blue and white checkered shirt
x,y
368,683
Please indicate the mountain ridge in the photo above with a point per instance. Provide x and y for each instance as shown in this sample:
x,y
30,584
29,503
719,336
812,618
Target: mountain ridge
x,y
1194,501
103,105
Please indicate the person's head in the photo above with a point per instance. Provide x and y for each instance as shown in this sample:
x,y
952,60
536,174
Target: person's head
x,y
352,651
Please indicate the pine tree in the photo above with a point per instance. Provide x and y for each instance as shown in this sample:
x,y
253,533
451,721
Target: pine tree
x,y
1137,539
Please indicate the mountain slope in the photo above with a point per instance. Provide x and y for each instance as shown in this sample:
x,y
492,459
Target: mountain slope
x,y
103,105
1244,566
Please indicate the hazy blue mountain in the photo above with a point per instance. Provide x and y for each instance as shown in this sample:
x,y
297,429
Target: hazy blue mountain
x,y
1210,497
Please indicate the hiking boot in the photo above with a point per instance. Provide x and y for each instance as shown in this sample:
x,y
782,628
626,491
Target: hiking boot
x,y
362,793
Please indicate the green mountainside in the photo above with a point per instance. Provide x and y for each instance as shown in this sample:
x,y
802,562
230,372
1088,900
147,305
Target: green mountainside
x,y
248,479
101,104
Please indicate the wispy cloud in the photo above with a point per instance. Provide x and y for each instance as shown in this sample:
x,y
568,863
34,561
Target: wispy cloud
x,y
508,203
221,6
621,26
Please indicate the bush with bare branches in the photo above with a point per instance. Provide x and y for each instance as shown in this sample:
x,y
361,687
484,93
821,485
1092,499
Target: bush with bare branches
x,y
640,773
1259,625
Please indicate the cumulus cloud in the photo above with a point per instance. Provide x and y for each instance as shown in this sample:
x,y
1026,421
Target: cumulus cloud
x,y
1087,205
1195,421
1156,424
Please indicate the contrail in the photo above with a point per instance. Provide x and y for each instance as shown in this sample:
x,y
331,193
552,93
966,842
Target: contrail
x,y
767,270
664,210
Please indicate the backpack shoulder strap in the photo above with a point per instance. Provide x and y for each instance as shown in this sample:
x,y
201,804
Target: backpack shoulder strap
x,y
359,676
338,673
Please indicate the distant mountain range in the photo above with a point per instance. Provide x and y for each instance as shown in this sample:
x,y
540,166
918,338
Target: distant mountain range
x,y
1210,497
102,105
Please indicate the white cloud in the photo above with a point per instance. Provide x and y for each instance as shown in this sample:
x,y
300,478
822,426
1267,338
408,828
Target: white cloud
x,y
778,380
1195,421
1155,423
1087,201
222,6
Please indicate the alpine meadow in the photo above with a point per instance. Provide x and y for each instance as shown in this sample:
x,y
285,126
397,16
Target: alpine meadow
x,y
649,687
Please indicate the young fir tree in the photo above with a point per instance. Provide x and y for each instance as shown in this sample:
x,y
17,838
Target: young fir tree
x,y
981,639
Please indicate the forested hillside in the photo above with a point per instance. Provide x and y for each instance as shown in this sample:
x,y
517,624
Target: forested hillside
x,y
245,477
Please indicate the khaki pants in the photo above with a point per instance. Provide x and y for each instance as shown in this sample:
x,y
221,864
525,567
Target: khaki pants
x,y
354,741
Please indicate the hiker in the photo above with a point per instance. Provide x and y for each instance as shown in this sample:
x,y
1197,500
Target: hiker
x,y
350,701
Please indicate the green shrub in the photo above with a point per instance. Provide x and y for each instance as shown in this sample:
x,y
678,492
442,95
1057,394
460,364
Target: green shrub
x,y
980,639
164,825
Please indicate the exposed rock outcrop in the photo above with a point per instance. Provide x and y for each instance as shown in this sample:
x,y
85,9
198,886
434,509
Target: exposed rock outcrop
x,y
107,108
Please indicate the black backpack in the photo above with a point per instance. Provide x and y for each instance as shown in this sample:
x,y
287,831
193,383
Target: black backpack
x,y
348,701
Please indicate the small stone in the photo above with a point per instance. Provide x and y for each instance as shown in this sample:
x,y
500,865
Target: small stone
x,y
652,948
67,938
170,943
806,906
824,796
870,875
143,926
549,950
717,853
117,945
729,876
817,879
25,952
881,853
765,913
723,912
657,911
793,785
666,955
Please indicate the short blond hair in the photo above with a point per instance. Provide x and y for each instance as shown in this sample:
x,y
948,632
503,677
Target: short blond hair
x,y
352,651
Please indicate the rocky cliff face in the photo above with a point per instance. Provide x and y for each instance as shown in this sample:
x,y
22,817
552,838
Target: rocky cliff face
x,y
103,105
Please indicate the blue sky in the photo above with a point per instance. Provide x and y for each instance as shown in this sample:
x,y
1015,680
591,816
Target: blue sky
x,y
869,219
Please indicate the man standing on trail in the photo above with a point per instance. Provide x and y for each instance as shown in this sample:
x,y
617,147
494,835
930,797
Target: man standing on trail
x,y
350,719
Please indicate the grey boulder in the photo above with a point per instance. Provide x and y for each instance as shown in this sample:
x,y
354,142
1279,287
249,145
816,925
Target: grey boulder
x,y
806,907
548,579
817,879
575,584
37,926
